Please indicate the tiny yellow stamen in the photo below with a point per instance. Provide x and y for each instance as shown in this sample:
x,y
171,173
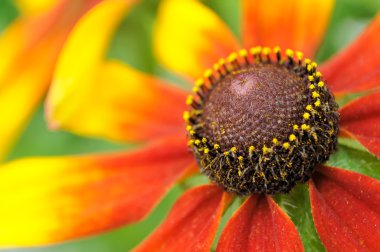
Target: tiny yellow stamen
x,y
190,142
216,66
266,50
189,100
286,145
251,148
226,153
305,127
255,50
240,158
309,107
318,74
315,94
197,142
199,82
195,89
216,146
295,127
289,53
309,68
204,140
292,138
222,62
208,73
206,150
310,78
186,116
307,61
299,55
275,141
306,116
317,103
321,84
277,49
314,65
234,149
243,53
232,57
266,149
188,127
312,86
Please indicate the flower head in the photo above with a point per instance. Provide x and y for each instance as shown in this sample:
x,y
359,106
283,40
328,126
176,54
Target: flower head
x,y
277,112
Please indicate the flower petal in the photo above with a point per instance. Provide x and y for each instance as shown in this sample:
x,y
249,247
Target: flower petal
x,y
47,200
92,97
28,49
298,24
260,225
189,37
356,69
131,107
346,209
192,223
361,120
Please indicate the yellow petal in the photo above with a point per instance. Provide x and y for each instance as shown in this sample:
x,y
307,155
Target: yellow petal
x,y
101,98
28,49
297,24
189,37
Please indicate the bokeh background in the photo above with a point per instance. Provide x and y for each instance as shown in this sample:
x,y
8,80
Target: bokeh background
x,y
132,44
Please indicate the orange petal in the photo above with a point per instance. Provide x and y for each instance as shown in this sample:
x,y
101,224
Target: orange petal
x,y
298,24
109,99
28,49
192,223
260,225
356,68
360,119
47,200
346,209
189,37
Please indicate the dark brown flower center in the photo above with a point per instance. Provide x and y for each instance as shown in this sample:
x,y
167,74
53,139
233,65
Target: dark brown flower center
x,y
260,124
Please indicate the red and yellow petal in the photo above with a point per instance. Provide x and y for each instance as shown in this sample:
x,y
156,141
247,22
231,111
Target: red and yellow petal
x,y
360,119
260,225
355,69
346,209
94,97
189,37
298,24
192,223
28,49
121,103
47,200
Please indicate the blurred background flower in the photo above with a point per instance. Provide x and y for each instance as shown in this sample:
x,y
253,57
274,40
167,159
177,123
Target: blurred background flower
x,y
29,50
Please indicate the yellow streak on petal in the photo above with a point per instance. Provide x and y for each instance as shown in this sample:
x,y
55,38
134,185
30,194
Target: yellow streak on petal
x,y
32,199
189,37
32,7
81,58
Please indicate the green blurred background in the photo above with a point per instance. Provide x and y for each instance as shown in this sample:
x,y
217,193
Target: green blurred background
x,y
132,44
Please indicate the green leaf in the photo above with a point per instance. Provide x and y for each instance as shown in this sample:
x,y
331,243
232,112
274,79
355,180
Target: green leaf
x,y
354,159
297,205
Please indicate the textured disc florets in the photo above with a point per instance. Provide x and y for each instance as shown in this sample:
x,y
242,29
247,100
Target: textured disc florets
x,y
260,123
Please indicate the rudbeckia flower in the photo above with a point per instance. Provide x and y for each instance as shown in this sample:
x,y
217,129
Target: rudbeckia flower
x,y
29,48
260,120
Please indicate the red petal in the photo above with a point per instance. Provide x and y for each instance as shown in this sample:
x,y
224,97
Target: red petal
x,y
47,200
260,225
191,224
361,120
346,210
356,67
